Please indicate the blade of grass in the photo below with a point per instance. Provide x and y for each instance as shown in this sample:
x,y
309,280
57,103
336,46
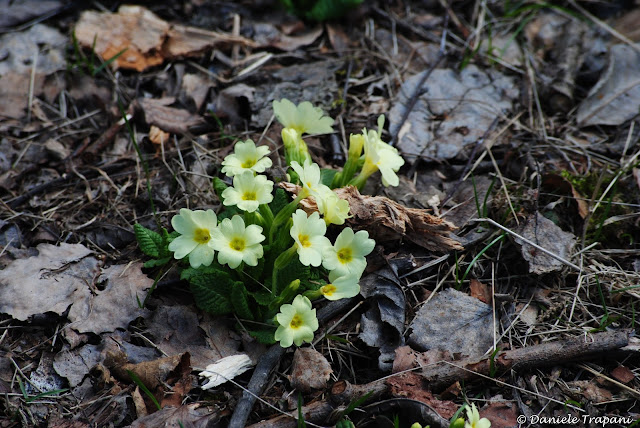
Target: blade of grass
x,y
143,387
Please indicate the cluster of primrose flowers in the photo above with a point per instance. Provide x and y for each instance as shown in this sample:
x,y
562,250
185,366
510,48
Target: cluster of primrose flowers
x,y
263,257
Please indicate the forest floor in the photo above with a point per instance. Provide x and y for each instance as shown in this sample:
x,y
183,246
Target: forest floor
x,y
518,124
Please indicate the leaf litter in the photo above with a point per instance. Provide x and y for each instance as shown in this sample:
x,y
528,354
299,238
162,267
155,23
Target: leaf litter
x,y
522,108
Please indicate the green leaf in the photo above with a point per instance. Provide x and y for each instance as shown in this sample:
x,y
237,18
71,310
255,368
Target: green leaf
x,y
280,200
255,272
324,10
294,270
264,336
150,242
156,262
219,186
326,176
239,301
211,288
263,298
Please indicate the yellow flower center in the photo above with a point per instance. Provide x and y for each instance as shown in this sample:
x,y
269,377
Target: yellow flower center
x,y
237,244
296,322
249,163
201,236
249,196
304,240
328,289
344,255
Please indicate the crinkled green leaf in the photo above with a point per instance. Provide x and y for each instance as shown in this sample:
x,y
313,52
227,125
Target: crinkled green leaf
x,y
280,200
211,288
291,272
326,176
156,262
150,242
240,302
219,186
264,336
263,297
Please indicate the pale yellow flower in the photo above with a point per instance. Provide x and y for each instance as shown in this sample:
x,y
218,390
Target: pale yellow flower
x,y
297,322
248,192
474,420
246,157
308,234
334,209
195,229
348,253
341,286
236,243
304,118
309,175
379,156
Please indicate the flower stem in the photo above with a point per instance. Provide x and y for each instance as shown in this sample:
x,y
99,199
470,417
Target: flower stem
x,y
281,262
267,216
283,215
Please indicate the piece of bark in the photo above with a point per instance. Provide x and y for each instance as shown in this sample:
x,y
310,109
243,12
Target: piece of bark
x,y
387,220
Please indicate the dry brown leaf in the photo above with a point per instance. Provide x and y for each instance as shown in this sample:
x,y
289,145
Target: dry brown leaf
x,y
310,370
453,321
501,415
590,391
176,329
411,385
480,291
623,374
169,119
116,305
627,24
387,220
148,40
548,235
338,38
190,416
405,359
151,373
157,135
267,35
49,282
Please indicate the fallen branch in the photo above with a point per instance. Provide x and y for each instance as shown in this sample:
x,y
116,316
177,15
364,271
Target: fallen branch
x,y
443,374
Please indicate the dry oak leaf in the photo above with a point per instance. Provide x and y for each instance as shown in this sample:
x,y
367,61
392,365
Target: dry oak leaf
x,y
148,40
116,305
49,282
157,113
387,220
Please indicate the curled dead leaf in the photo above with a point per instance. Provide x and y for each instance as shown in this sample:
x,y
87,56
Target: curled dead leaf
x,y
387,220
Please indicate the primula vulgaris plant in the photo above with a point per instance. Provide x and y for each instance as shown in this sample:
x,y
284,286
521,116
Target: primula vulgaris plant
x,y
262,257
